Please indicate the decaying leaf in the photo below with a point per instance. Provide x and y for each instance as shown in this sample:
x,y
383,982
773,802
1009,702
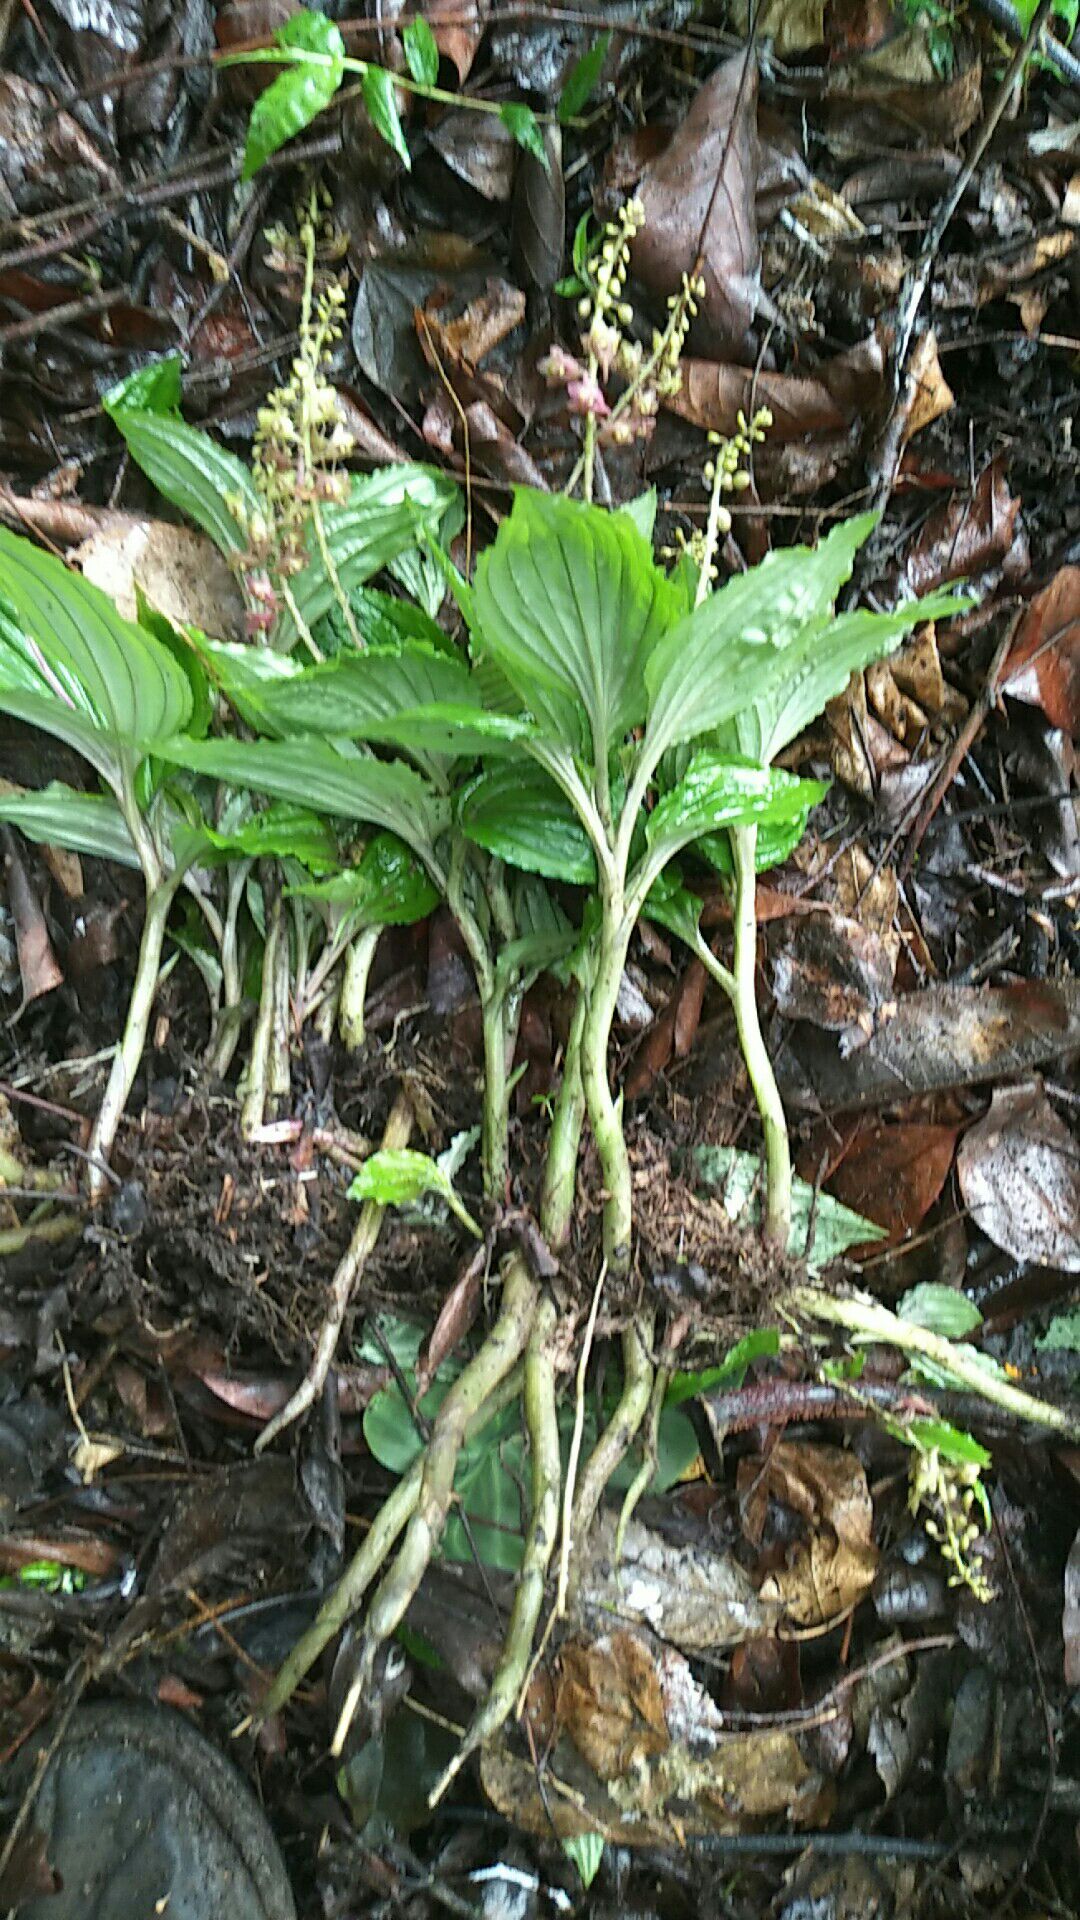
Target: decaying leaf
x,y
699,194
608,1701
1043,666
181,574
622,1698
712,395
1019,1173
931,394
826,1487
695,1596
937,1038
833,972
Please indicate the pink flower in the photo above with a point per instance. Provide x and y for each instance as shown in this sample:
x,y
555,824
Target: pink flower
x,y
558,366
585,396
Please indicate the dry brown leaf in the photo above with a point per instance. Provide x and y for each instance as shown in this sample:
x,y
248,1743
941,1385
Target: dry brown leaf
x,y
826,1487
608,1701
459,27
181,574
1043,667
1019,1173
39,970
931,393
699,193
892,1173
966,536
833,971
463,342
791,25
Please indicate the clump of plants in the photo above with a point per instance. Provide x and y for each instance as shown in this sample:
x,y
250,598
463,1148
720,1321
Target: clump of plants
x,y
604,737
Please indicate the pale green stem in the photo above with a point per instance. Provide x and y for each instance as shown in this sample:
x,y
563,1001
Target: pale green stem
x,y
605,1113
610,1450
354,981
650,1450
865,1318
228,1034
254,1102
564,1139
41,1232
755,1053
130,1050
368,1559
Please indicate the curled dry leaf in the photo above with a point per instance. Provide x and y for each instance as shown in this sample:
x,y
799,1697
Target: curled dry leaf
x,y
698,196
829,1571
539,218
39,969
608,1701
458,26
1019,1173
931,394
886,94
479,149
1043,666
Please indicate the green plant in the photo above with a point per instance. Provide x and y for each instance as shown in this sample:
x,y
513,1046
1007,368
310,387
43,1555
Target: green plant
x,y
311,50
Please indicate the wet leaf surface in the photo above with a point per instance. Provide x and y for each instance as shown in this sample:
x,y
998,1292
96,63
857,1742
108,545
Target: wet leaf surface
x,y
1019,1174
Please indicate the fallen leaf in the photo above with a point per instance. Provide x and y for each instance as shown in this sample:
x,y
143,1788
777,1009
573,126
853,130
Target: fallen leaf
x,y
458,26
693,1594
833,972
1043,667
887,93
455,1318
894,1172
608,1700
931,393
791,25
1019,1174
181,573
479,149
39,970
698,194
462,342
826,1487
538,229
973,532
937,1038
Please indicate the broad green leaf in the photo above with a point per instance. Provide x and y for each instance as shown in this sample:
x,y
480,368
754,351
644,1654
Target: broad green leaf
x,y
570,604
385,620
292,101
545,935
817,664
775,840
580,82
186,466
716,792
522,122
518,813
386,513
642,511
409,696
761,1344
152,389
670,904
723,655
389,887
72,665
585,1850
380,99
939,1309
314,773
737,1178
247,675
951,1442
280,831
421,52
398,1177
60,816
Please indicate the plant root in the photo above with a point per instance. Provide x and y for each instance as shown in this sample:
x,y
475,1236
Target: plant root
x,y
398,1131
392,1517
253,1110
542,1425
484,1374
643,1478
359,956
130,1051
619,1434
